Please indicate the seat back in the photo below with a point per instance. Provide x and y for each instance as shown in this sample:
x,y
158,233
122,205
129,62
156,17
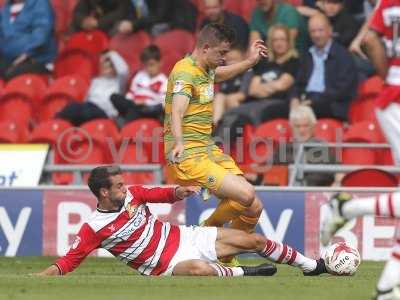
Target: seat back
x,y
369,178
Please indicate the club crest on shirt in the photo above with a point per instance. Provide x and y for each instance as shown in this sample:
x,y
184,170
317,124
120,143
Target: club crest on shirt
x,y
111,227
131,210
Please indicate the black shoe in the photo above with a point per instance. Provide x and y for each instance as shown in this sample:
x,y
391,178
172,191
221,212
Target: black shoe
x,y
261,270
320,269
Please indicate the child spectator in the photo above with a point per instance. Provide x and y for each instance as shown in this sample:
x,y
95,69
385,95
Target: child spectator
x,y
112,79
145,97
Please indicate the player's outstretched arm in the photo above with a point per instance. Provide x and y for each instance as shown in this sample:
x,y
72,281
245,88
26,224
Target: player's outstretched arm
x,y
53,270
257,51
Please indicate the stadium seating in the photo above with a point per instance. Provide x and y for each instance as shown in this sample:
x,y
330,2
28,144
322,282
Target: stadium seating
x,y
267,137
144,146
172,52
13,132
102,136
363,132
61,92
369,178
130,47
370,87
21,96
186,41
362,109
93,42
56,133
329,130
146,132
169,59
76,62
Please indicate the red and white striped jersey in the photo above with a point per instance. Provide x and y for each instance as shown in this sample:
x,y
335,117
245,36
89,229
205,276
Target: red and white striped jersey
x,y
132,234
386,21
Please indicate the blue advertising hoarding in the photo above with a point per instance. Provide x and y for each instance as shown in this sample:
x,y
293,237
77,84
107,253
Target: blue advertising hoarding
x,y
21,220
282,217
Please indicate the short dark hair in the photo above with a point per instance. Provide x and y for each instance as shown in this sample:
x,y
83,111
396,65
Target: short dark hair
x,y
100,178
214,34
150,52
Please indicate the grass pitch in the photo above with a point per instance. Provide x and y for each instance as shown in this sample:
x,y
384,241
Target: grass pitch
x,y
106,278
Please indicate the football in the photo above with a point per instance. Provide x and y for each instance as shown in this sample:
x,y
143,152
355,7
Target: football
x,y
342,259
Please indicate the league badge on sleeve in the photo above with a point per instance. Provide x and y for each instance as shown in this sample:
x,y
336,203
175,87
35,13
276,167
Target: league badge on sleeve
x,y
178,86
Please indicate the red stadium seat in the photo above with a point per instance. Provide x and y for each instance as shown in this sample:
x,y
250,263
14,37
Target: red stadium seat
x,y
133,155
168,41
140,129
20,98
30,86
248,7
76,62
130,47
362,109
363,132
170,58
277,130
93,42
56,133
329,130
13,132
49,131
146,132
1,87
105,134
61,92
369,178
370,87
267,136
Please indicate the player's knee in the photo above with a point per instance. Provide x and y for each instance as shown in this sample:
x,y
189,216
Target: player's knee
x,y
201,269
248,195
255,209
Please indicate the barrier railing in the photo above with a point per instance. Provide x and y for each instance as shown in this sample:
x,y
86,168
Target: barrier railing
x,y
300,166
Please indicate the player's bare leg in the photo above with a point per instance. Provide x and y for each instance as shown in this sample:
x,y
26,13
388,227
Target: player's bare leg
x,y
233,242
198,267
238,195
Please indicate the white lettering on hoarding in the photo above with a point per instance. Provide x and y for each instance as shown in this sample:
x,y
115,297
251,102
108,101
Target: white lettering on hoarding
x,y
64,228
278,233
14,234
372,233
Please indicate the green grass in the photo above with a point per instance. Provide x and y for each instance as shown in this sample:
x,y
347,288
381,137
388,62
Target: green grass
x,y
106,278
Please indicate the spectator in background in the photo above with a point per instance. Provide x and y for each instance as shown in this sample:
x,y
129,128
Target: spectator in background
x,y
214,13
267,86
232,92
271,12
158,16
327,77
105,15
345,27
274,78
113,73
27,43
145,97
302,122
